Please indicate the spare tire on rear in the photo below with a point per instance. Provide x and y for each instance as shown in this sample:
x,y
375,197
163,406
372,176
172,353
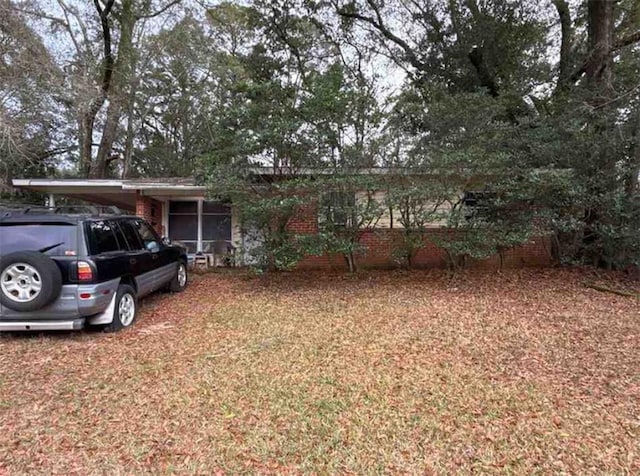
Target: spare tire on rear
x,y
29,280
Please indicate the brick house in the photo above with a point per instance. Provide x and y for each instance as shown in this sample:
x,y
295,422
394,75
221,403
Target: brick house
x,y
178,209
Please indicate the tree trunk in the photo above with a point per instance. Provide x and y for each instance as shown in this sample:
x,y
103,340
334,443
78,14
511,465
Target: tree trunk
x,y
87,117
351,262
119,83
566,44
599,67
85,141
128,144
599,75
103,158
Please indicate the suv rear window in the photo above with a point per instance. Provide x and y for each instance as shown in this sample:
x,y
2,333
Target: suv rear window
x,y
53,239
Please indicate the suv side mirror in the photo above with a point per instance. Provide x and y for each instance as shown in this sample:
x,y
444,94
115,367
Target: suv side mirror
x,y
152,246
165,241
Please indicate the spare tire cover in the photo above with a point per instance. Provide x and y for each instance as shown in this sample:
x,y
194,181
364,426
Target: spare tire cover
x,y
29,280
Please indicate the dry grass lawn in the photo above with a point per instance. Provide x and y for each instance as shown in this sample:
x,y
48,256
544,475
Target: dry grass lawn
x,y
518,372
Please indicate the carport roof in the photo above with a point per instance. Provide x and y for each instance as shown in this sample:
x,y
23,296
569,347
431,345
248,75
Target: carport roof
x,y
121,193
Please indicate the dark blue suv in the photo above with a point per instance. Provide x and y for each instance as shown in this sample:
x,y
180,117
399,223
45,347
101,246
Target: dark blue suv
x,y
64,270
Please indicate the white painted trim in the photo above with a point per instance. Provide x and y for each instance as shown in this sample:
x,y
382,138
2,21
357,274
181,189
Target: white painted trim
x,y
237,240
182,198
163,187
66,183
200,203
165,217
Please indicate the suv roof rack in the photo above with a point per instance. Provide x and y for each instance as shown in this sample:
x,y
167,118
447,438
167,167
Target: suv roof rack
x,y
24,209
13,208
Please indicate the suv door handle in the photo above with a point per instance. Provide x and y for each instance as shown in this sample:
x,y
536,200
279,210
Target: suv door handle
x,y
154,256
133,261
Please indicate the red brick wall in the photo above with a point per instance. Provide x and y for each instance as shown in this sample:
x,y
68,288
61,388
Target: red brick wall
x,y
380,243
305,221
151,210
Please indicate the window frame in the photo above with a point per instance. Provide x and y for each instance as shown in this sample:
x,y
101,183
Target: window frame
x,y
129,223
200,243
194,242
157,240
205,241
93,242
329,207
474,203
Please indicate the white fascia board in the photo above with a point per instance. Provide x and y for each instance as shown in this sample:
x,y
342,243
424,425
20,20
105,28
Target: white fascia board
x,y
66,183
163,187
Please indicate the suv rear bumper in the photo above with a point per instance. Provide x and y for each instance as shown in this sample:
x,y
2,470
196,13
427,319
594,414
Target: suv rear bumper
x,y
58,325
75,302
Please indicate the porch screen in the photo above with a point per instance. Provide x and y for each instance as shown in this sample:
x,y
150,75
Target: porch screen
x,y
187,226
216,224
183,224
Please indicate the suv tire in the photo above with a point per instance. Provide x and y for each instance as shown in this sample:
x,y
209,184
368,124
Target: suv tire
x,y
180,280
125,310
29,280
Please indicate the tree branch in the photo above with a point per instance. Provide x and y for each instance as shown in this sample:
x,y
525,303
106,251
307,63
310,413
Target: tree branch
x,y
618,44
83,28
379,25
39,15
56,151
106,35
486,78
73,38
627,40
159,12
605,289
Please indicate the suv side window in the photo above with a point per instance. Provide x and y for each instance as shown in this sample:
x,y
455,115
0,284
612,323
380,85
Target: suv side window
x,y
102,237
131,235
149,238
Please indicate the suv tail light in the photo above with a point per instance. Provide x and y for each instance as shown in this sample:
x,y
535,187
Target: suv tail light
x,y
85,273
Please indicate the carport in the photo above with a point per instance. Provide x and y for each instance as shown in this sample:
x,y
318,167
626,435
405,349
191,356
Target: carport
x,y
175,207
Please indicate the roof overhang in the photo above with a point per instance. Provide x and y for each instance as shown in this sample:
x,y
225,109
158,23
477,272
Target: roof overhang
x,y
121,193
67,184
101,192
164,189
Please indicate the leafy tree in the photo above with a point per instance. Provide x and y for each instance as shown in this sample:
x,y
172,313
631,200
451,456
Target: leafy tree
x,y
265,205
508,115
348,206
94,48
180,93
306,120
416,201
27,120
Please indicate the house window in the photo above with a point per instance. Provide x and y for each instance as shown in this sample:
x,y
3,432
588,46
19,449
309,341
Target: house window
x,y
336,208
476,204
198,230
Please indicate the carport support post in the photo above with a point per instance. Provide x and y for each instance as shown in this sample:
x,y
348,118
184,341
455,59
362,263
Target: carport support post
x,y
51,201
200,208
